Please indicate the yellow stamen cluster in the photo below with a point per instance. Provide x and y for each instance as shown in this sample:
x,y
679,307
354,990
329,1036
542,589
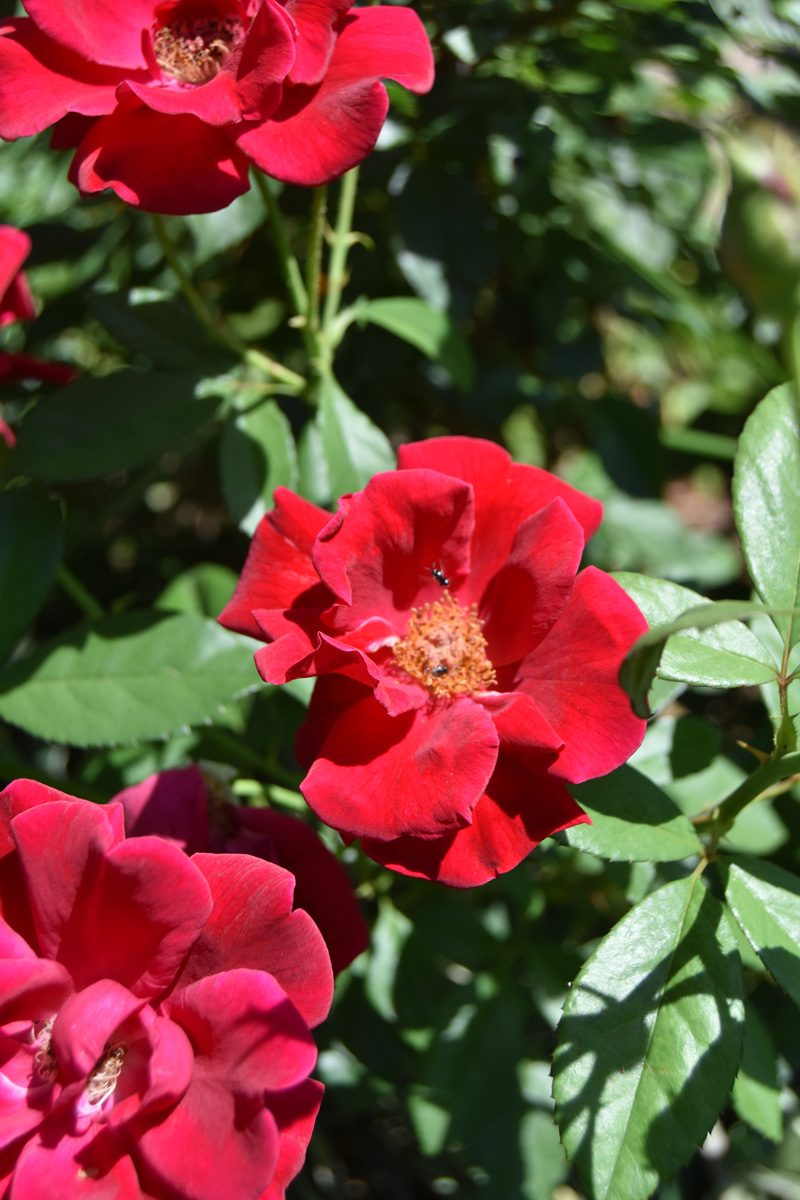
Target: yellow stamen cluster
x,y
194,52
445,650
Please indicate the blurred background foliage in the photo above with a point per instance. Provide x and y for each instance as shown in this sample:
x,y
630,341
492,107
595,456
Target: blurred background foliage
x,y
604,198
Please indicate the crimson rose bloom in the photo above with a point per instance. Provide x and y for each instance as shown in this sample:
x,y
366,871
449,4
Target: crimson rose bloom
x,y
177,804
170,102
16,304
154,1012
466,671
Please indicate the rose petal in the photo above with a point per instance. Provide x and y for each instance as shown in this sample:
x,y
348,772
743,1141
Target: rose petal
x,y
95,30
86,1022
315,21
505,494
572,678
529,592
322,888
279,573
171,804
252,925
165,164
376,555
32,989
516,813
127,912
294,1112
420,773
40,81
56,1163
16,301
320,132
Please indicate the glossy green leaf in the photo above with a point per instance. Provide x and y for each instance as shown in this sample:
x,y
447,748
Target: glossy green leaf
x,y
766,499
126,678
98,426
650,1042
353,447
257,454
642,660
632,820
30,551
728,655
765,900
756,1094
430,330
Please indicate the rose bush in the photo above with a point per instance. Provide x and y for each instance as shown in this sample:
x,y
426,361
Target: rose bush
x,y
155,1012
17,304
169,103
466,672
177,804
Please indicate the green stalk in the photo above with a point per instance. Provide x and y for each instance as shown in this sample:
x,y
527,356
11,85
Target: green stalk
x,y
289,264
218,331
79,594
341,247
769,773
314,263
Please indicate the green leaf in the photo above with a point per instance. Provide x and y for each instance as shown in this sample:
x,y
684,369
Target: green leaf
x,y
632,820
765,900
642,660
756,1094
126,678
430,330
165,330
257,454
766,500
544,1162
389,935
205,588
354,448
725,656
30,551
650,1042
98,426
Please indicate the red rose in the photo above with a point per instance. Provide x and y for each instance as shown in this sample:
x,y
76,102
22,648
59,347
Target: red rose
x,y
466,671
154,1012
170,102
16,301
176,804
16,304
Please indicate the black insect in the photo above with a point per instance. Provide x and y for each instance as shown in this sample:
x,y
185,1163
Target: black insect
x,y
439,575
439,671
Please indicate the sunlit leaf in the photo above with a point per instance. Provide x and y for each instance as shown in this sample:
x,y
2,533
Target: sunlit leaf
x,y
650,1042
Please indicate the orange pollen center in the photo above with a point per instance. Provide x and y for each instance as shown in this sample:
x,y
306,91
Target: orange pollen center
x,y
195,51
445,650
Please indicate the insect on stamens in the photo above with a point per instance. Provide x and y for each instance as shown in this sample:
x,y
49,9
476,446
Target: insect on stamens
x,y
439,671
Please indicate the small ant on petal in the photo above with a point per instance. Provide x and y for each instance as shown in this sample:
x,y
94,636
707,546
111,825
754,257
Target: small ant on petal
x,y
440,577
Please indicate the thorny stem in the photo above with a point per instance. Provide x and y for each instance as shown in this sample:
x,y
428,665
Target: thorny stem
x,y
79,594
314,264
341,246
218,331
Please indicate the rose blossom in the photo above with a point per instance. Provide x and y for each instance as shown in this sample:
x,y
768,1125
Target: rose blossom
x,y
16,304
169,103
154,1012
178,804
466,672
